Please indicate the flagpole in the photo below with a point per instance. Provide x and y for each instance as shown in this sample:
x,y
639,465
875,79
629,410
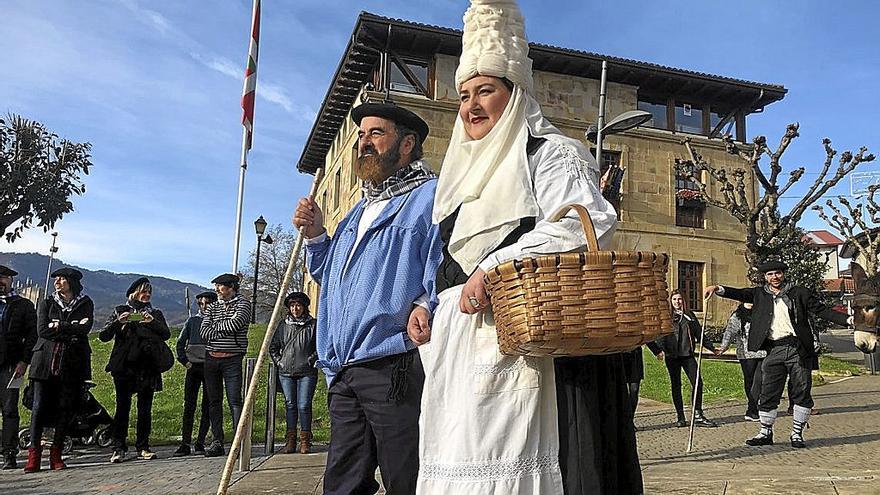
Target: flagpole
x,y
239,207
248,95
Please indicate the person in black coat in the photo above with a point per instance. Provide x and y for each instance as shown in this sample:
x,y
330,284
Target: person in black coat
x,y
61,363
18,334
135,326
295,353
781,326
191,354
677,350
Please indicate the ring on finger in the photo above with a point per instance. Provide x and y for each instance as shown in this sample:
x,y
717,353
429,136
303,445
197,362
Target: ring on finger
x,y
474,302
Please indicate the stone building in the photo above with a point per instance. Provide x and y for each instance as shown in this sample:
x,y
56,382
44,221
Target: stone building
x,y
415,64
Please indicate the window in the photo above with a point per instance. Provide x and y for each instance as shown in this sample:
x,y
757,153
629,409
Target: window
x,y
324,205
337,182
689,204
409,76
689,118
657,109
690,284
609,158
715,118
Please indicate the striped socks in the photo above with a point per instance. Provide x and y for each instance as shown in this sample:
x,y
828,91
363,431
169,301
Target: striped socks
x,y
799,419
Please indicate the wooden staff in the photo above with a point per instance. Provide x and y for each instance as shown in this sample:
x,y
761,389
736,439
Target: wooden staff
x,y
248,407
699,377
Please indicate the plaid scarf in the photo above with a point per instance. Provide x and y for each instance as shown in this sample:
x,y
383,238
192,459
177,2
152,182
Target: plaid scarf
x,y
401,182
64,305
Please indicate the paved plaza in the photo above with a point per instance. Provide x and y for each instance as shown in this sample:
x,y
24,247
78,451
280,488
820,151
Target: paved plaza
x,y
843,457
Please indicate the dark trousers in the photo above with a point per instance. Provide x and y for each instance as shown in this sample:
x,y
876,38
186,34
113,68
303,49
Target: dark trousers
x,y
752,378
125,389
674,366
223,374
9,407
784,361
55,402
192,383
368,429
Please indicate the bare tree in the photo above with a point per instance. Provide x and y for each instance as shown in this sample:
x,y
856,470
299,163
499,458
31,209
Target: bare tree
x,y
766,227
858,225
274,258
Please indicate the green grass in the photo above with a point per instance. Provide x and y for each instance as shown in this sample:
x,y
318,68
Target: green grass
x,y
168,404
722,380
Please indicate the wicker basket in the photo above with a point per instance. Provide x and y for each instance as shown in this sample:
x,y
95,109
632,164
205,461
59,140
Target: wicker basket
x,y
576,304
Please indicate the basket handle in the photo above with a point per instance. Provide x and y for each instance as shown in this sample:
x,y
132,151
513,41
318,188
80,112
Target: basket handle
x,y
586,223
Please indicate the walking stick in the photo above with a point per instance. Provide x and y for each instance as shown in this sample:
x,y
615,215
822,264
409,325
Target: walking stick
x,y
699,380
248,406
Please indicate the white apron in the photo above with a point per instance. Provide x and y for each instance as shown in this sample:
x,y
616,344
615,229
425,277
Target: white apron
x,y
488,422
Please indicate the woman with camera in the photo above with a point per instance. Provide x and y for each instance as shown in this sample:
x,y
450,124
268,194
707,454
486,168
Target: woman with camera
x,y
138,330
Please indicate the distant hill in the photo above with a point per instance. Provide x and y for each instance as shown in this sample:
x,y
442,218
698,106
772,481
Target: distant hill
x,y
107,289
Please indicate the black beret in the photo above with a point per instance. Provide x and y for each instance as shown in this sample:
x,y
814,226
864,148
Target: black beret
x,y
68,273
208,294
771,266
394,113
226,279
5,271
134,285
299,297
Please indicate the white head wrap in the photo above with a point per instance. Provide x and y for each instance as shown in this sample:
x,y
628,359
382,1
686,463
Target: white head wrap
x,y
497,163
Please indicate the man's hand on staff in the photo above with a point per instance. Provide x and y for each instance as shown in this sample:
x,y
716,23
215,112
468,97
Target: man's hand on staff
x,y
474,297
709,291
418,328
308,214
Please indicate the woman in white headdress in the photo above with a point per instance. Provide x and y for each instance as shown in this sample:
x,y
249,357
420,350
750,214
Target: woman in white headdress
x,y
490,423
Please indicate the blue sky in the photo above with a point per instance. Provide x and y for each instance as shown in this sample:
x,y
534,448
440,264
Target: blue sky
x,y
156,86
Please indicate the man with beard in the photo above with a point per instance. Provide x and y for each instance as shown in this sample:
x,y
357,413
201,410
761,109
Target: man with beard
x,y
781,325
377,279
18,334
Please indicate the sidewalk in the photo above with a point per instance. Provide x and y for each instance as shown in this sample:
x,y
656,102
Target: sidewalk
x,y
842,458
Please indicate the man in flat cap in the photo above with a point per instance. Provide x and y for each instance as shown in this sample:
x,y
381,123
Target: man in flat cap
x,y
377,277
225,331
781,326
18,334
191,354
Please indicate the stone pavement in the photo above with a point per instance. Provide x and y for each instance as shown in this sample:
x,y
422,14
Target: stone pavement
x,y
90,472
843,458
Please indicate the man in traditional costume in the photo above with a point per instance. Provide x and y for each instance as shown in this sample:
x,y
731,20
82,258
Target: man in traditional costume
x,y
781,325
491,423
377,276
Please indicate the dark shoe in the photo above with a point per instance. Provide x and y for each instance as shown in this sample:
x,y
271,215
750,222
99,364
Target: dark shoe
x,y
182,451
198,448
33,462
55,461
215,450
752,417
760,440
9,461
798,443
118,456
703,421
681,423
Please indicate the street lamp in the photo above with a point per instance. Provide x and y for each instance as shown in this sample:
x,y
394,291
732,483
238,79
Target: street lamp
x,y
52,251
260,228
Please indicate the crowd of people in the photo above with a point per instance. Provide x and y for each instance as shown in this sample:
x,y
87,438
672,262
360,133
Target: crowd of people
x,y
51,344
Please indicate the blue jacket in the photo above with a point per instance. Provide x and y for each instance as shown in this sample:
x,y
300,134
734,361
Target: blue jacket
x,y
362,313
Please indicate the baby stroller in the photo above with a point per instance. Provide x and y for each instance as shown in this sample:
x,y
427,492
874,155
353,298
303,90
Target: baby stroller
x,y
90,425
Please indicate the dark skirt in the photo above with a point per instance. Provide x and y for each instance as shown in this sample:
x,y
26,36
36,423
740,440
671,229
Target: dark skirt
x,y
634,365
597,438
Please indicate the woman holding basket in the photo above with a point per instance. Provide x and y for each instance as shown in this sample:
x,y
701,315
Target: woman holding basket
x,y
491,423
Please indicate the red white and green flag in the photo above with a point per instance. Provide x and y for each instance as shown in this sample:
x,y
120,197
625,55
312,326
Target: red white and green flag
x,y
250,78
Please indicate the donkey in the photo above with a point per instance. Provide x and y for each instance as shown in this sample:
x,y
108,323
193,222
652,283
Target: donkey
x,y
866,309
